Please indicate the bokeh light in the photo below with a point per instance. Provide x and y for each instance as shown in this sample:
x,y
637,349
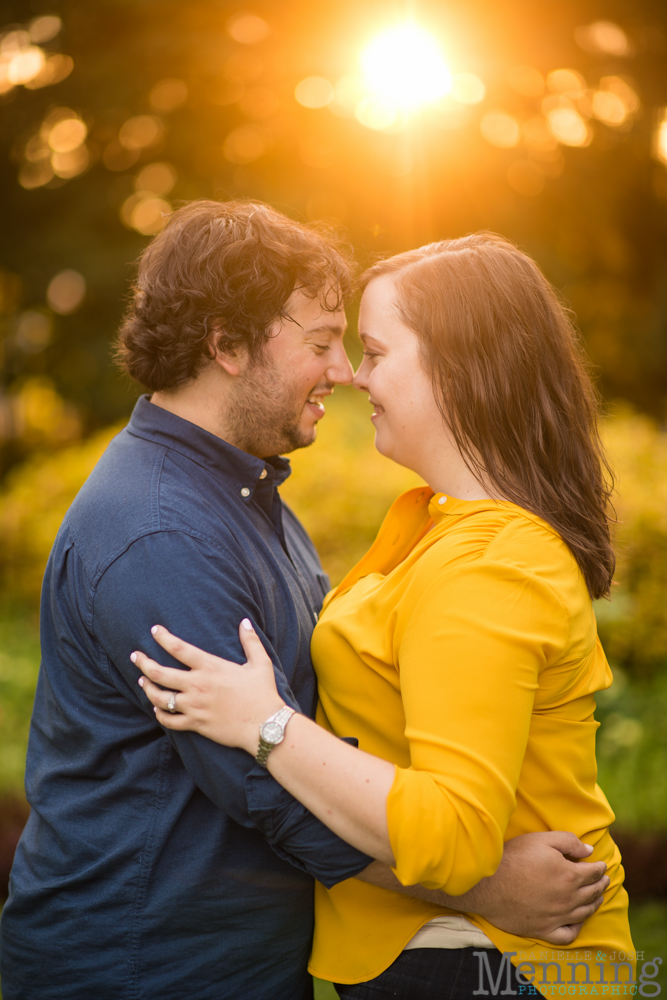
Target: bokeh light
x,y
404,66
140,132
44,28
467,88
500,129
314,92
604,36
566,81
569,127
33,331
67,134
660,137
70,163
168,94
25,64
145,213
56,68
248,29
66,292
156,178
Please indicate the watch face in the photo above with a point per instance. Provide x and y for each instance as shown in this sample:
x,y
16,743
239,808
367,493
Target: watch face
x,y
272,732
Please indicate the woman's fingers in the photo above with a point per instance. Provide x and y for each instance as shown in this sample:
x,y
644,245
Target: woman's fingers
x,y
191,656
161,699
169,721
252,644
170,677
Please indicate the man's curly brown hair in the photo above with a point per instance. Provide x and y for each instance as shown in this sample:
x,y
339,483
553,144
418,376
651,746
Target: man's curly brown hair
x,y
227,269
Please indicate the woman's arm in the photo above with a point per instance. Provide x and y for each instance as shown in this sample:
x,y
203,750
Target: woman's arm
x,y
536,889
344,787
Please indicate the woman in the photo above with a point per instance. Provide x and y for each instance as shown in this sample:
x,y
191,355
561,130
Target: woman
x,y
462,649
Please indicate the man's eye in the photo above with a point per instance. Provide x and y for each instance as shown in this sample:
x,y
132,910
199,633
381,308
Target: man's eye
x,y
321,348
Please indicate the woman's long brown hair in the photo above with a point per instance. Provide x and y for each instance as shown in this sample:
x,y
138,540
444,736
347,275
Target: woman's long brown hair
x,y
512,384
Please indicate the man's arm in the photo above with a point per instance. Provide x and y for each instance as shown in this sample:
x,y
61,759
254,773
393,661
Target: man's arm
x,y
535,892
202,593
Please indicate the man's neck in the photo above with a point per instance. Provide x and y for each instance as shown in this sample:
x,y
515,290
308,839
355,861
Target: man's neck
x,y
197,404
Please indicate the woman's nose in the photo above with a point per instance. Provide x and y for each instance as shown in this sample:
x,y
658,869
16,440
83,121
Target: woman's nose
x,y
360,381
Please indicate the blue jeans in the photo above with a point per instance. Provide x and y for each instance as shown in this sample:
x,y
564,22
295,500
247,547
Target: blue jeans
x,y
439,974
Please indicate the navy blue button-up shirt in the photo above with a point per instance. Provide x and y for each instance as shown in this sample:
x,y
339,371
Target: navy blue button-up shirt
x,y
159,864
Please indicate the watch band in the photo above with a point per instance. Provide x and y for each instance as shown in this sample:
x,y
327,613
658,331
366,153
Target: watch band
x,y
280,719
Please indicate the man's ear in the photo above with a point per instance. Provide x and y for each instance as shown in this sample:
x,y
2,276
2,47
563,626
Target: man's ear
x,y
232,359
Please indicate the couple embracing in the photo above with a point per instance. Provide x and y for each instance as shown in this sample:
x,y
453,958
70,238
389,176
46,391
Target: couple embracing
x,y
235,774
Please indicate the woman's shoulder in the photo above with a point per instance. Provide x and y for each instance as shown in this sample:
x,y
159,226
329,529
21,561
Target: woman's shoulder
x,y
502,534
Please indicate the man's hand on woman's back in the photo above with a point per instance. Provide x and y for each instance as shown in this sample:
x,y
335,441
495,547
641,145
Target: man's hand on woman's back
x,y
540,889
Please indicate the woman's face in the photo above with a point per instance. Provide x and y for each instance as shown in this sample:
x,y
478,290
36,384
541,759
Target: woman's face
x,y
408,423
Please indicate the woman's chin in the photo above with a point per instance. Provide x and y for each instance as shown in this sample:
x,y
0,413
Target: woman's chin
x,y
382,445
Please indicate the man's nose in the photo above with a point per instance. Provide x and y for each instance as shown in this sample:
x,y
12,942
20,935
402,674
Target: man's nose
x,y
340,370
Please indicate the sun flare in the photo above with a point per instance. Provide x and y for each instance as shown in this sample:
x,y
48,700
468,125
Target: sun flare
x,y
404,66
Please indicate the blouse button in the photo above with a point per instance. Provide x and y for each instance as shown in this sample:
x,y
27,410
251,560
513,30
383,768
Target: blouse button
x,y
442,500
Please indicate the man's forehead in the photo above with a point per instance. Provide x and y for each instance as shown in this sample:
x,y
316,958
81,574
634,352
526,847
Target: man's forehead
x,y
314,313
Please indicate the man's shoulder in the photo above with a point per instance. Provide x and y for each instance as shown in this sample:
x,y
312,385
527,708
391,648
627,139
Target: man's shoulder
x,y
139,488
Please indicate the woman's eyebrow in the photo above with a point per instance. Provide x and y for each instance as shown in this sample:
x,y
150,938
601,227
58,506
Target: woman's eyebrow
x,y
369,338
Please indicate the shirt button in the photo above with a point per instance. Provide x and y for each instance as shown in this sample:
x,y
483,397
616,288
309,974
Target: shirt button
x,y
263,474
245,492
442,500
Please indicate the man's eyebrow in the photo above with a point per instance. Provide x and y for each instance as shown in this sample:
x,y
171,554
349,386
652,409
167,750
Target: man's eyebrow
x,y
327,328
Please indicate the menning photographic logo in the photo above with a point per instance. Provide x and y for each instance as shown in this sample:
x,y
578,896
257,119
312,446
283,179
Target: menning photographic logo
x,y
586,977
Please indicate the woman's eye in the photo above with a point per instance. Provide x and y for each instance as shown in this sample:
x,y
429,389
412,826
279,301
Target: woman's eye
x,y
369,354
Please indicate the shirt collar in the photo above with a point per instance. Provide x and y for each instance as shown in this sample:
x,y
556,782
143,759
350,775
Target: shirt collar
x,y
242,471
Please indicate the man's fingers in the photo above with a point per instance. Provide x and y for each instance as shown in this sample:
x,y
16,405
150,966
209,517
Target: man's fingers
x,y
567,843
191,656
590,872
563,935
588,893
169,677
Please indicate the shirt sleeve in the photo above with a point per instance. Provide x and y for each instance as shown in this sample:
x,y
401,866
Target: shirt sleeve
x,y
200,594
469,659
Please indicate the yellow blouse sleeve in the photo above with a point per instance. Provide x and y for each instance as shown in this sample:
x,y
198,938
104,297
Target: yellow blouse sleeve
x,y
469,654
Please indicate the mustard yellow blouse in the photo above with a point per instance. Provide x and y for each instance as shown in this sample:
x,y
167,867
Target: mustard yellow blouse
x,y
468,656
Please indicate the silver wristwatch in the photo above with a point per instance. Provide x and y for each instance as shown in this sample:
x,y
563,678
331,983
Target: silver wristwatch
x,y
272,732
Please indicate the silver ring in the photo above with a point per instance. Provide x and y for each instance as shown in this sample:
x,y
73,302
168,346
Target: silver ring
x,y
171,704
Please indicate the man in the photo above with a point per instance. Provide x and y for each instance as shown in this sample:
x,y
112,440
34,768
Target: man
x,y
159,864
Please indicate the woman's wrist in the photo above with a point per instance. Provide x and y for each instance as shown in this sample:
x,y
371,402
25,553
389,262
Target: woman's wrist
x,y
251,734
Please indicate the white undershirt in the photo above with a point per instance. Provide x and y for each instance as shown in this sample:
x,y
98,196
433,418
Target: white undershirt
x,y
449,931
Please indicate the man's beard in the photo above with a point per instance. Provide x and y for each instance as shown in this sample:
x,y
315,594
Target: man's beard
x,y
265,414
